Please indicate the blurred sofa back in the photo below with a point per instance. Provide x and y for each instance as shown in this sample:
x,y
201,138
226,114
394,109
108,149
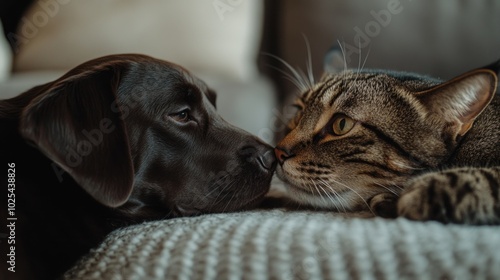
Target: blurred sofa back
x,y
218,36
438,38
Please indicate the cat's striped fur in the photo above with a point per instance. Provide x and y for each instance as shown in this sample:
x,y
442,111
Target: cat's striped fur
x,y
398,144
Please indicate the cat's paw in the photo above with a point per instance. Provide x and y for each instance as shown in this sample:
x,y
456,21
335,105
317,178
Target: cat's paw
x,y
422,200
452,196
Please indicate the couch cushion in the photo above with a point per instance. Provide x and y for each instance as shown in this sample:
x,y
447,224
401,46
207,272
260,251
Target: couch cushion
x,y
294,245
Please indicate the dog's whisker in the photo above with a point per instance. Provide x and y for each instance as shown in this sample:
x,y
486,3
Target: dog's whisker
x,y
223,190
230,200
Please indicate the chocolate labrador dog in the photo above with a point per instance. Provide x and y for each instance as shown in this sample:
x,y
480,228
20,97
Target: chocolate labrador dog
x,y
116,141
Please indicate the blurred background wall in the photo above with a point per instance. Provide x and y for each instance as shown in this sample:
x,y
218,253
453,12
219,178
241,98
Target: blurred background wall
x,y
439,38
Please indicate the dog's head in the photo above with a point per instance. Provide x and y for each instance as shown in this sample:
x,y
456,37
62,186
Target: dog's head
x,y
143,135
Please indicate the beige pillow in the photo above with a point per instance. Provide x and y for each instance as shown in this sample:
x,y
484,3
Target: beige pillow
x,y
5,57
220,36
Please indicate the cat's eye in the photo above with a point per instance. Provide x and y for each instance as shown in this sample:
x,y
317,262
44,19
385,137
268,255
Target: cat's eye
x,y
342,124
299,107
299,104
297,118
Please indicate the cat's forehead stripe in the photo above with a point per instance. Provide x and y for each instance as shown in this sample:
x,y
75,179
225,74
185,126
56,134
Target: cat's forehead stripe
x,y
346,84
332,91
324,88
326,99
305,95
329,96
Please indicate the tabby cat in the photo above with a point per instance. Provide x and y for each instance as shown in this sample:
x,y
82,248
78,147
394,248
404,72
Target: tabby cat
x,y
397,144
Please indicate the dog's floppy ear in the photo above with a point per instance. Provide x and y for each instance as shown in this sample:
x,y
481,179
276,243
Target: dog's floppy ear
x,y
76,123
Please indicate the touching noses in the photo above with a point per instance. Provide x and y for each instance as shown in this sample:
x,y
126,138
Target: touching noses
x,y
258,152
282,154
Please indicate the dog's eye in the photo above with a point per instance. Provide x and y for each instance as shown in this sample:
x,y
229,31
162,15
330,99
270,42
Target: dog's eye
x,y
182,116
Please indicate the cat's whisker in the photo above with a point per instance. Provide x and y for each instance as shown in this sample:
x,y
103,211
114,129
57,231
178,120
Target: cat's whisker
x,y
388,189
358,70
404,166
340,199
344,73
355,192
309,61
366,58
313,184
293,80
398,187
301,80
345,63
305,79
333,200
317,190
362,66
335,193
343,54
359,59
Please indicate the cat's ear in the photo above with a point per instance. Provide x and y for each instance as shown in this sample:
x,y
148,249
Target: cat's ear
x,y
334,61
460,100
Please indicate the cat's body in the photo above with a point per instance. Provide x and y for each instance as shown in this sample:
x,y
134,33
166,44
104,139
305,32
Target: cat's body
x,y
398,144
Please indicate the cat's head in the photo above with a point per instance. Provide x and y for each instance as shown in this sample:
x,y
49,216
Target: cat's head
x,y
360,133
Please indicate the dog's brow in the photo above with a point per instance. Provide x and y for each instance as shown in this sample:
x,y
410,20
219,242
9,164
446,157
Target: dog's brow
x,y
212,96
200,86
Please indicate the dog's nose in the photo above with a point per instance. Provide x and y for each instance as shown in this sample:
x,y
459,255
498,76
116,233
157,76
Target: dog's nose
x,y
267,160
282,154
259,153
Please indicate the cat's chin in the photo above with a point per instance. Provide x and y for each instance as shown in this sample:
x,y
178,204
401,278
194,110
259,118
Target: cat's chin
x,y
341,201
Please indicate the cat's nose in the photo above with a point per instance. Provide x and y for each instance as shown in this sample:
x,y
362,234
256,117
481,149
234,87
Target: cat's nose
x,y
282,154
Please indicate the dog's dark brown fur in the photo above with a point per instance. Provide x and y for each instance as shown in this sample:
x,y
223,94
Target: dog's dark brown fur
x,y
117,141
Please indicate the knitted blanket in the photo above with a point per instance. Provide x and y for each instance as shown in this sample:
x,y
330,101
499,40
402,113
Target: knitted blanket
x,y
277,244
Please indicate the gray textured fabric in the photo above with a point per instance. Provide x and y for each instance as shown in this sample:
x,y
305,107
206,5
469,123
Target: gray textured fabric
x,y
294,245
